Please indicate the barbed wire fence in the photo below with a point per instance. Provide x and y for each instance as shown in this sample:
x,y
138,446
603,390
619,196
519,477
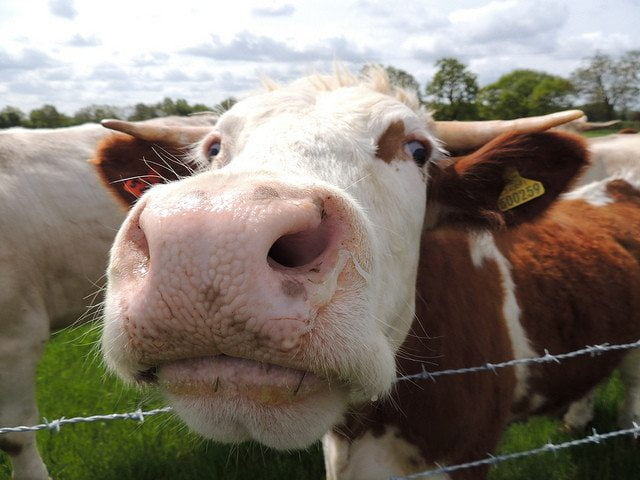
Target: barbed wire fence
x,y
595,438
55,425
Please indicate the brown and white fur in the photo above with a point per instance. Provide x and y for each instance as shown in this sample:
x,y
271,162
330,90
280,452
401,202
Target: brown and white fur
x,y
495,292
248,342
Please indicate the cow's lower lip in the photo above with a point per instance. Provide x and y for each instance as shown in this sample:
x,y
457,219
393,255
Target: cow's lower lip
x,y
225,378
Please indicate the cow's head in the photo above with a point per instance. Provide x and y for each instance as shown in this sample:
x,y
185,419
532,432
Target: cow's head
x,y
271,290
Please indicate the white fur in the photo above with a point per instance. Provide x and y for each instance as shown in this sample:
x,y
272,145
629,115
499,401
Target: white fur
x,y
57,223
56,226
580,412
321,134
613,156
372,458
593,193
483,248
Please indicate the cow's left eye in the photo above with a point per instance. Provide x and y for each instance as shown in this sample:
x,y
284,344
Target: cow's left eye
x,y
418,150
214,149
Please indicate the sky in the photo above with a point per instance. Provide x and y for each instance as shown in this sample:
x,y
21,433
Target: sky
x,y
75,53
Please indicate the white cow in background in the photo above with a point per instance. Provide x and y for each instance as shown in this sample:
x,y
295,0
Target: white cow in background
x,y
611,155
56,226
581,125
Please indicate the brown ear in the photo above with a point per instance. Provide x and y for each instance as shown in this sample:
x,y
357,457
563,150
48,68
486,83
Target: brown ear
x,y
511,180
128,166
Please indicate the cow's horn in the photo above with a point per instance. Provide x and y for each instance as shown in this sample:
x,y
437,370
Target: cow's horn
x,y
598,125
471,135
180,135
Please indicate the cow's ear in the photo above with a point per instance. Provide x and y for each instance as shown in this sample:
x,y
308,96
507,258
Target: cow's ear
x,y
128,166
511,180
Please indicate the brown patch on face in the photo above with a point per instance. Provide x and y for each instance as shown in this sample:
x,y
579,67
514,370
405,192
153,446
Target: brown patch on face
x,y
264,192
292,288
391,142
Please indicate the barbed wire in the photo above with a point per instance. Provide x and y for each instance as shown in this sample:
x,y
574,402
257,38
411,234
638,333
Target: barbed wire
x,y
423,375
138,415
546,358
593,350
595,437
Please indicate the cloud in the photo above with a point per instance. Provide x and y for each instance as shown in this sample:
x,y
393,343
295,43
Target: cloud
x,y
27,59
284,10
518,21
63,8
151,59
430,48
84,41
58,74
109,72
510,27
589,43
175,75
31,87
249,47
411,18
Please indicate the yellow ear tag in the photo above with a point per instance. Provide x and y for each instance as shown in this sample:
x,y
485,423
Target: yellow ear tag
x,y
518,190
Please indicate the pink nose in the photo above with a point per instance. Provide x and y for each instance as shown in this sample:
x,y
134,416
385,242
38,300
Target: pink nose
x,y
242,273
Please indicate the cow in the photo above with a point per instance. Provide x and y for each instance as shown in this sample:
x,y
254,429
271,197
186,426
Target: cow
x,y
325,247
611,155
582,125
56,226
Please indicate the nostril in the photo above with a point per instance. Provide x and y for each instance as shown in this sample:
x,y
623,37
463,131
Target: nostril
x,y
300,249
138,247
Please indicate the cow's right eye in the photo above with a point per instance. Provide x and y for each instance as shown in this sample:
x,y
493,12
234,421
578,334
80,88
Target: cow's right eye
x,y
419,151
214,149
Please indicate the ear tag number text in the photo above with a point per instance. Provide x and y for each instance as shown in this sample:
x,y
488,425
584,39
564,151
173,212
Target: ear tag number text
x,y
518,190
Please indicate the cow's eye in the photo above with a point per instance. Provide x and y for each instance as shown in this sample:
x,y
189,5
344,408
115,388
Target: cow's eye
x,y
418,150
214,149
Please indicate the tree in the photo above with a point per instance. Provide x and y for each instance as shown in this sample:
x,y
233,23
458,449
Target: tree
x,y
615,84
95,113
47,117
522,93
165,108
200,107
11,117
453,91
142,111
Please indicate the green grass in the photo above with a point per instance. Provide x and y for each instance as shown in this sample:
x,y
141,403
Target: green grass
x,y
618,458
600,133
71,382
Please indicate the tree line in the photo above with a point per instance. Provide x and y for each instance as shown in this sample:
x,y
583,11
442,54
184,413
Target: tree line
x,y
604,87
48,116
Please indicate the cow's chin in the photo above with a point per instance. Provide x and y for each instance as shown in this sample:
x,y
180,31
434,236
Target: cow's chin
x,y
232,400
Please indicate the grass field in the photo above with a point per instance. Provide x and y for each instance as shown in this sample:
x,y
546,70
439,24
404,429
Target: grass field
x,y
601,133
71,382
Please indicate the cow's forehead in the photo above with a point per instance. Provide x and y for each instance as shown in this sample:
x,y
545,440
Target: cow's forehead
x,y
357,110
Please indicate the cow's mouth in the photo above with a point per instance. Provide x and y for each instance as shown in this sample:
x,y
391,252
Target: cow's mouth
x,y
231,399
222,377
